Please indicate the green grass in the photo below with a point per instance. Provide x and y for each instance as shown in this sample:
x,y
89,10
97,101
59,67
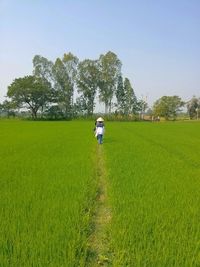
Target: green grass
x,y
154,172
47,187
49,184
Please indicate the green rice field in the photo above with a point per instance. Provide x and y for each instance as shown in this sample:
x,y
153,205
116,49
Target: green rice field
x,y
47,183
154,172
49,186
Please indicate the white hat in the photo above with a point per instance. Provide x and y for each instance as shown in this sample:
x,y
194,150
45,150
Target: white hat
x,y
100,119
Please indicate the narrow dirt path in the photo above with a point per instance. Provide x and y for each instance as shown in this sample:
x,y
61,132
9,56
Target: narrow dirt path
x,y
98,245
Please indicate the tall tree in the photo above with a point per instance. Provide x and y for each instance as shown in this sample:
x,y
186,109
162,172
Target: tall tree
x,y
110,69
130,98
167,106
87,82
64,72
43,68
193,107
120,95
31,92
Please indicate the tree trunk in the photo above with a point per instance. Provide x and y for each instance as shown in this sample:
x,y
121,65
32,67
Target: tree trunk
x,y
34,112
106,108
110,106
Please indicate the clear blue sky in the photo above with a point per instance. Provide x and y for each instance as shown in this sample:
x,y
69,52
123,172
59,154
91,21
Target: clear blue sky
x,y
158,41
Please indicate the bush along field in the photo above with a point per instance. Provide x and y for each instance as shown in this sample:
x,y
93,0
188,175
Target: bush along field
x,y
67,201
47,188
154,176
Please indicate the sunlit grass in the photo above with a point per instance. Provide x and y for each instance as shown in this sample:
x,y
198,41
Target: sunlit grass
x,y
154,172
46,186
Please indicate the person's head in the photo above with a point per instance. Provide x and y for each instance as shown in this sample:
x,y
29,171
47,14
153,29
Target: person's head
x,y
100,124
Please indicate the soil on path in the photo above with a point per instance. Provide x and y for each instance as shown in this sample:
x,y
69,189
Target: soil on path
x,y
99,253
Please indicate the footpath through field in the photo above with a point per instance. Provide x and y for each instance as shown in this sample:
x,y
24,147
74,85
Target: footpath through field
x,y
99,253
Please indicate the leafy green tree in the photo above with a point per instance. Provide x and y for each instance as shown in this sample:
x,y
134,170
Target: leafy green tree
x,y
64,73
80,106
109,69
120,95
167,107
130,98
141,107
87,82
193,107
54,112
31,92
43,68
8,108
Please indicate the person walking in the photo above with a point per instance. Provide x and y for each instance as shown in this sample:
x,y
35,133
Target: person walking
x,y
100,129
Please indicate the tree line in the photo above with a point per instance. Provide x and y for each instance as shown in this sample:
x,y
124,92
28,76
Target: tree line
x,y
68,88
52,87
170,107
